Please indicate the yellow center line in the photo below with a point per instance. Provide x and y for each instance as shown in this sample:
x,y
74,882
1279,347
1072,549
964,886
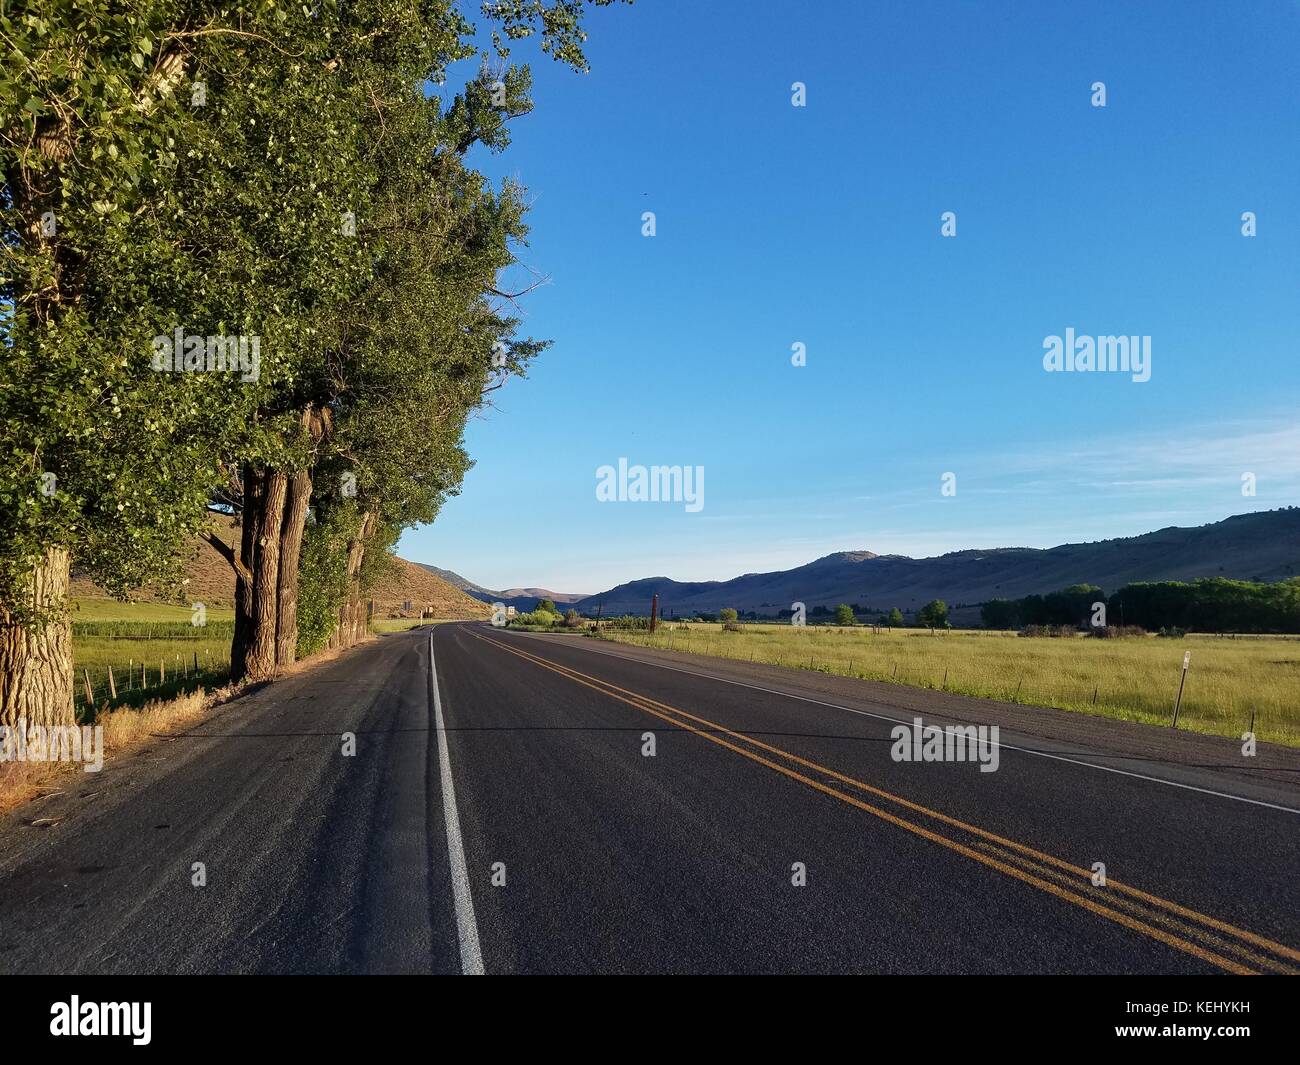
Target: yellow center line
x,y
663,711
1147,913
1154,900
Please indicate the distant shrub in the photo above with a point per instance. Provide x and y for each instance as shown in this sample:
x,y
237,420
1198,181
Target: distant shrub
x,y
731,626
1054,631
1115,632
571,619
1172,633
728,613
627,622
542,619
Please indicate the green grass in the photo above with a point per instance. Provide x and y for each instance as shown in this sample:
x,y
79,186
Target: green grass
x,y
136,661
154,630
105,610
137,624
131,638
1135,679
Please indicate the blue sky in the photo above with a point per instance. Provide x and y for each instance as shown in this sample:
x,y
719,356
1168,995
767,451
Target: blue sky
x,y
821,224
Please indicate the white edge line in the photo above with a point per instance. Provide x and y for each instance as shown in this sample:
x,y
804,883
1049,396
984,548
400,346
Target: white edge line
x,y
471,957
1004,746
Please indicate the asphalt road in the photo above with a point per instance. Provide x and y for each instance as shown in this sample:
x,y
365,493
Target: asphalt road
x,y
510,819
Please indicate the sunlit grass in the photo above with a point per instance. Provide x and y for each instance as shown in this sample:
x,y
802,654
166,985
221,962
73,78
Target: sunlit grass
x,y
147,669
152,648
85,610
1135,678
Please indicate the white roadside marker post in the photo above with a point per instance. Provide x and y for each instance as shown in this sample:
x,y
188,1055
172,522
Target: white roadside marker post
x,y
1187,659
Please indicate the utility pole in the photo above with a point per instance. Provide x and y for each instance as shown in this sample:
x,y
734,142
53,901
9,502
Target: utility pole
x,y
654,611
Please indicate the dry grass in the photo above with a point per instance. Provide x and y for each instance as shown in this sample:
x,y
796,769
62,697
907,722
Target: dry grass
x,y
1134,679
127,726
123,730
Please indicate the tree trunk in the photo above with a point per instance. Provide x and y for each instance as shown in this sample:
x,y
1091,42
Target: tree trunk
x,y
254,490
36,661
291,533
259,662
351,625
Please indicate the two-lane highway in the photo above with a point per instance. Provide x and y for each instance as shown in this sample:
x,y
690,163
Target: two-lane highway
x,y
555,804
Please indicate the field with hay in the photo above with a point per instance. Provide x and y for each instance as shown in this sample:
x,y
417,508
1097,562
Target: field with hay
x,y
1133,678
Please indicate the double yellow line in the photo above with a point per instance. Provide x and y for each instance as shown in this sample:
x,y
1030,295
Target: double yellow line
x,y
1232,949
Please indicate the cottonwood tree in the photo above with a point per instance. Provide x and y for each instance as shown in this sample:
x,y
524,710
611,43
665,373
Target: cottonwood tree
x,y
135,204
426,346
933,615
100,465
380,365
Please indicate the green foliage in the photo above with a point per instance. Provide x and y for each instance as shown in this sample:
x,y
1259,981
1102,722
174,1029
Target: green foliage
x,y
1212,604
895,619
322,577
537,619
257,169
627,623
560,26
90,129
933,615
728,613
999,614
844,615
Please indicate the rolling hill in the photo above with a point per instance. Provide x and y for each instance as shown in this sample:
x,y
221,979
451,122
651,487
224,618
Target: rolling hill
x,y
1264,546
519,598
211,581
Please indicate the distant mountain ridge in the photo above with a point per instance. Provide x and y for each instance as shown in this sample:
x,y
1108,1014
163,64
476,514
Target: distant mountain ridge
x,y
525,599
1264,545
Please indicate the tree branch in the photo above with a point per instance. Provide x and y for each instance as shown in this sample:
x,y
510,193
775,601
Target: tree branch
x,y
228,553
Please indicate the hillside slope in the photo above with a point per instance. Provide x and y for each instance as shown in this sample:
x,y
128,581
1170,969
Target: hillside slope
x,y
520,598
212,581
1264,546
410,582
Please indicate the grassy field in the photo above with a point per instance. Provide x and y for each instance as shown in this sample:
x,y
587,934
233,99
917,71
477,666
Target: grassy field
x,y
1135,678
107,610
141,661
140,642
